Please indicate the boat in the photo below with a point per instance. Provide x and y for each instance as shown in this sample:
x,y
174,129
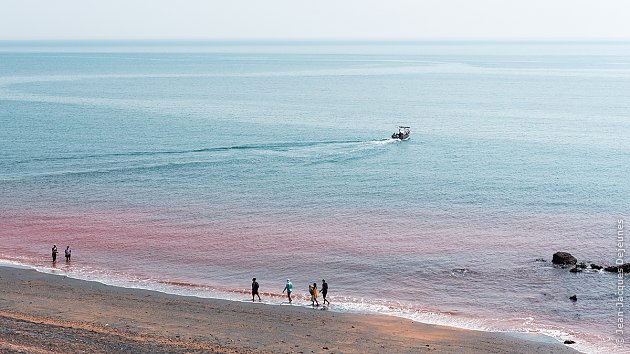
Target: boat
x,y
402,134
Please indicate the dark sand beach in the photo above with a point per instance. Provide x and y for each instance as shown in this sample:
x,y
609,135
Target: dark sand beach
x,y
42,313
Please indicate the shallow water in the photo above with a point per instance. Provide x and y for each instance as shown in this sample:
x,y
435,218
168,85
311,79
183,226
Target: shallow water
x,y
192,171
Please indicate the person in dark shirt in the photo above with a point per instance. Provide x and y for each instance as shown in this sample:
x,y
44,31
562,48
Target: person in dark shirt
x,y
54,253
255,287
324,291
68,253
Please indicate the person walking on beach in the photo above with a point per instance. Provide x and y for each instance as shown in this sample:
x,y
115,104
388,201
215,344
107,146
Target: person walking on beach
x,y
288,288
312,289
325,291
255,287
68,253
54,253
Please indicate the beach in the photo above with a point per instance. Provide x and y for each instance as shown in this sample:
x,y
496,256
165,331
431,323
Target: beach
x,y
44,313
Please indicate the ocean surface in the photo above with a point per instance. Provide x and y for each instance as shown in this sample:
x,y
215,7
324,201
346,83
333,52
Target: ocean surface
x,y
192,167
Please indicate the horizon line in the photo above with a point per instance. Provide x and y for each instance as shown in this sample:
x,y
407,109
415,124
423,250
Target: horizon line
x,y
322,40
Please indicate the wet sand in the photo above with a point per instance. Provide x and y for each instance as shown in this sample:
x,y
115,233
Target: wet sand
x,y
43,313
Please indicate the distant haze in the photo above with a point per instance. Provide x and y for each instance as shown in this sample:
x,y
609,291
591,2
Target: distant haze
x,y
322,19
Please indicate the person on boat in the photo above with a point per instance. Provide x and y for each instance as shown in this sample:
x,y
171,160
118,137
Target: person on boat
x,y
54,253
288,288
255,287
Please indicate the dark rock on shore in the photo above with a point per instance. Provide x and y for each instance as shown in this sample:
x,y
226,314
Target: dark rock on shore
x,y
615,269
563,258
596,267
569,342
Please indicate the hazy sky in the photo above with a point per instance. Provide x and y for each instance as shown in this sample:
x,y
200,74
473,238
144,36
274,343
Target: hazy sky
x,y
316,19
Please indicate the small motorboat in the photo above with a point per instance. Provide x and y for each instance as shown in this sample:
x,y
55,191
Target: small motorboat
x,y
402,134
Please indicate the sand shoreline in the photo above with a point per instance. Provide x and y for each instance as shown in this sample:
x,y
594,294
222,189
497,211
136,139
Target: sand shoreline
x,y
44,313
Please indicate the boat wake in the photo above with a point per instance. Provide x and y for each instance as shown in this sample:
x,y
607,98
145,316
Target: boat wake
x,y
307,153
281,146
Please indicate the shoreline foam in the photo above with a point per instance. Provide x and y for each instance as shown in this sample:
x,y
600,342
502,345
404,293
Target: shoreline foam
x,y
15,304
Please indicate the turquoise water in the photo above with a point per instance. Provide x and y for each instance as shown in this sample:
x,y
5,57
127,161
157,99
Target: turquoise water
x,y
191,168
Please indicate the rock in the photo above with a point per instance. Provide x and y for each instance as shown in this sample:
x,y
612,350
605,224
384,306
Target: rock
x,y
460,272
563,258
582,265
573,298
596,267
540,260
615,269
569,342
575,270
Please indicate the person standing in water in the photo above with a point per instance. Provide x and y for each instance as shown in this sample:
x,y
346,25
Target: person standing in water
x,y
312,289
288,288
68,253
255,287
54,253
325,291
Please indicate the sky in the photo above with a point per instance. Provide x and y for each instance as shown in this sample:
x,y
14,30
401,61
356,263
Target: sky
x,y
314,19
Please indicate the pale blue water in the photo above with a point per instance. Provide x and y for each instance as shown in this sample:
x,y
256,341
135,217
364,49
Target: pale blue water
x,y
210,163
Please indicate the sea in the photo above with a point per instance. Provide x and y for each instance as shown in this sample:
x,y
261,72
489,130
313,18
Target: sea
x,y
190,167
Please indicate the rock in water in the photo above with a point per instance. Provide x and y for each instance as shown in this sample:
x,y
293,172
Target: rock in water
x,y
575,270
569,342
563,258
573,298
625,267
596,267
